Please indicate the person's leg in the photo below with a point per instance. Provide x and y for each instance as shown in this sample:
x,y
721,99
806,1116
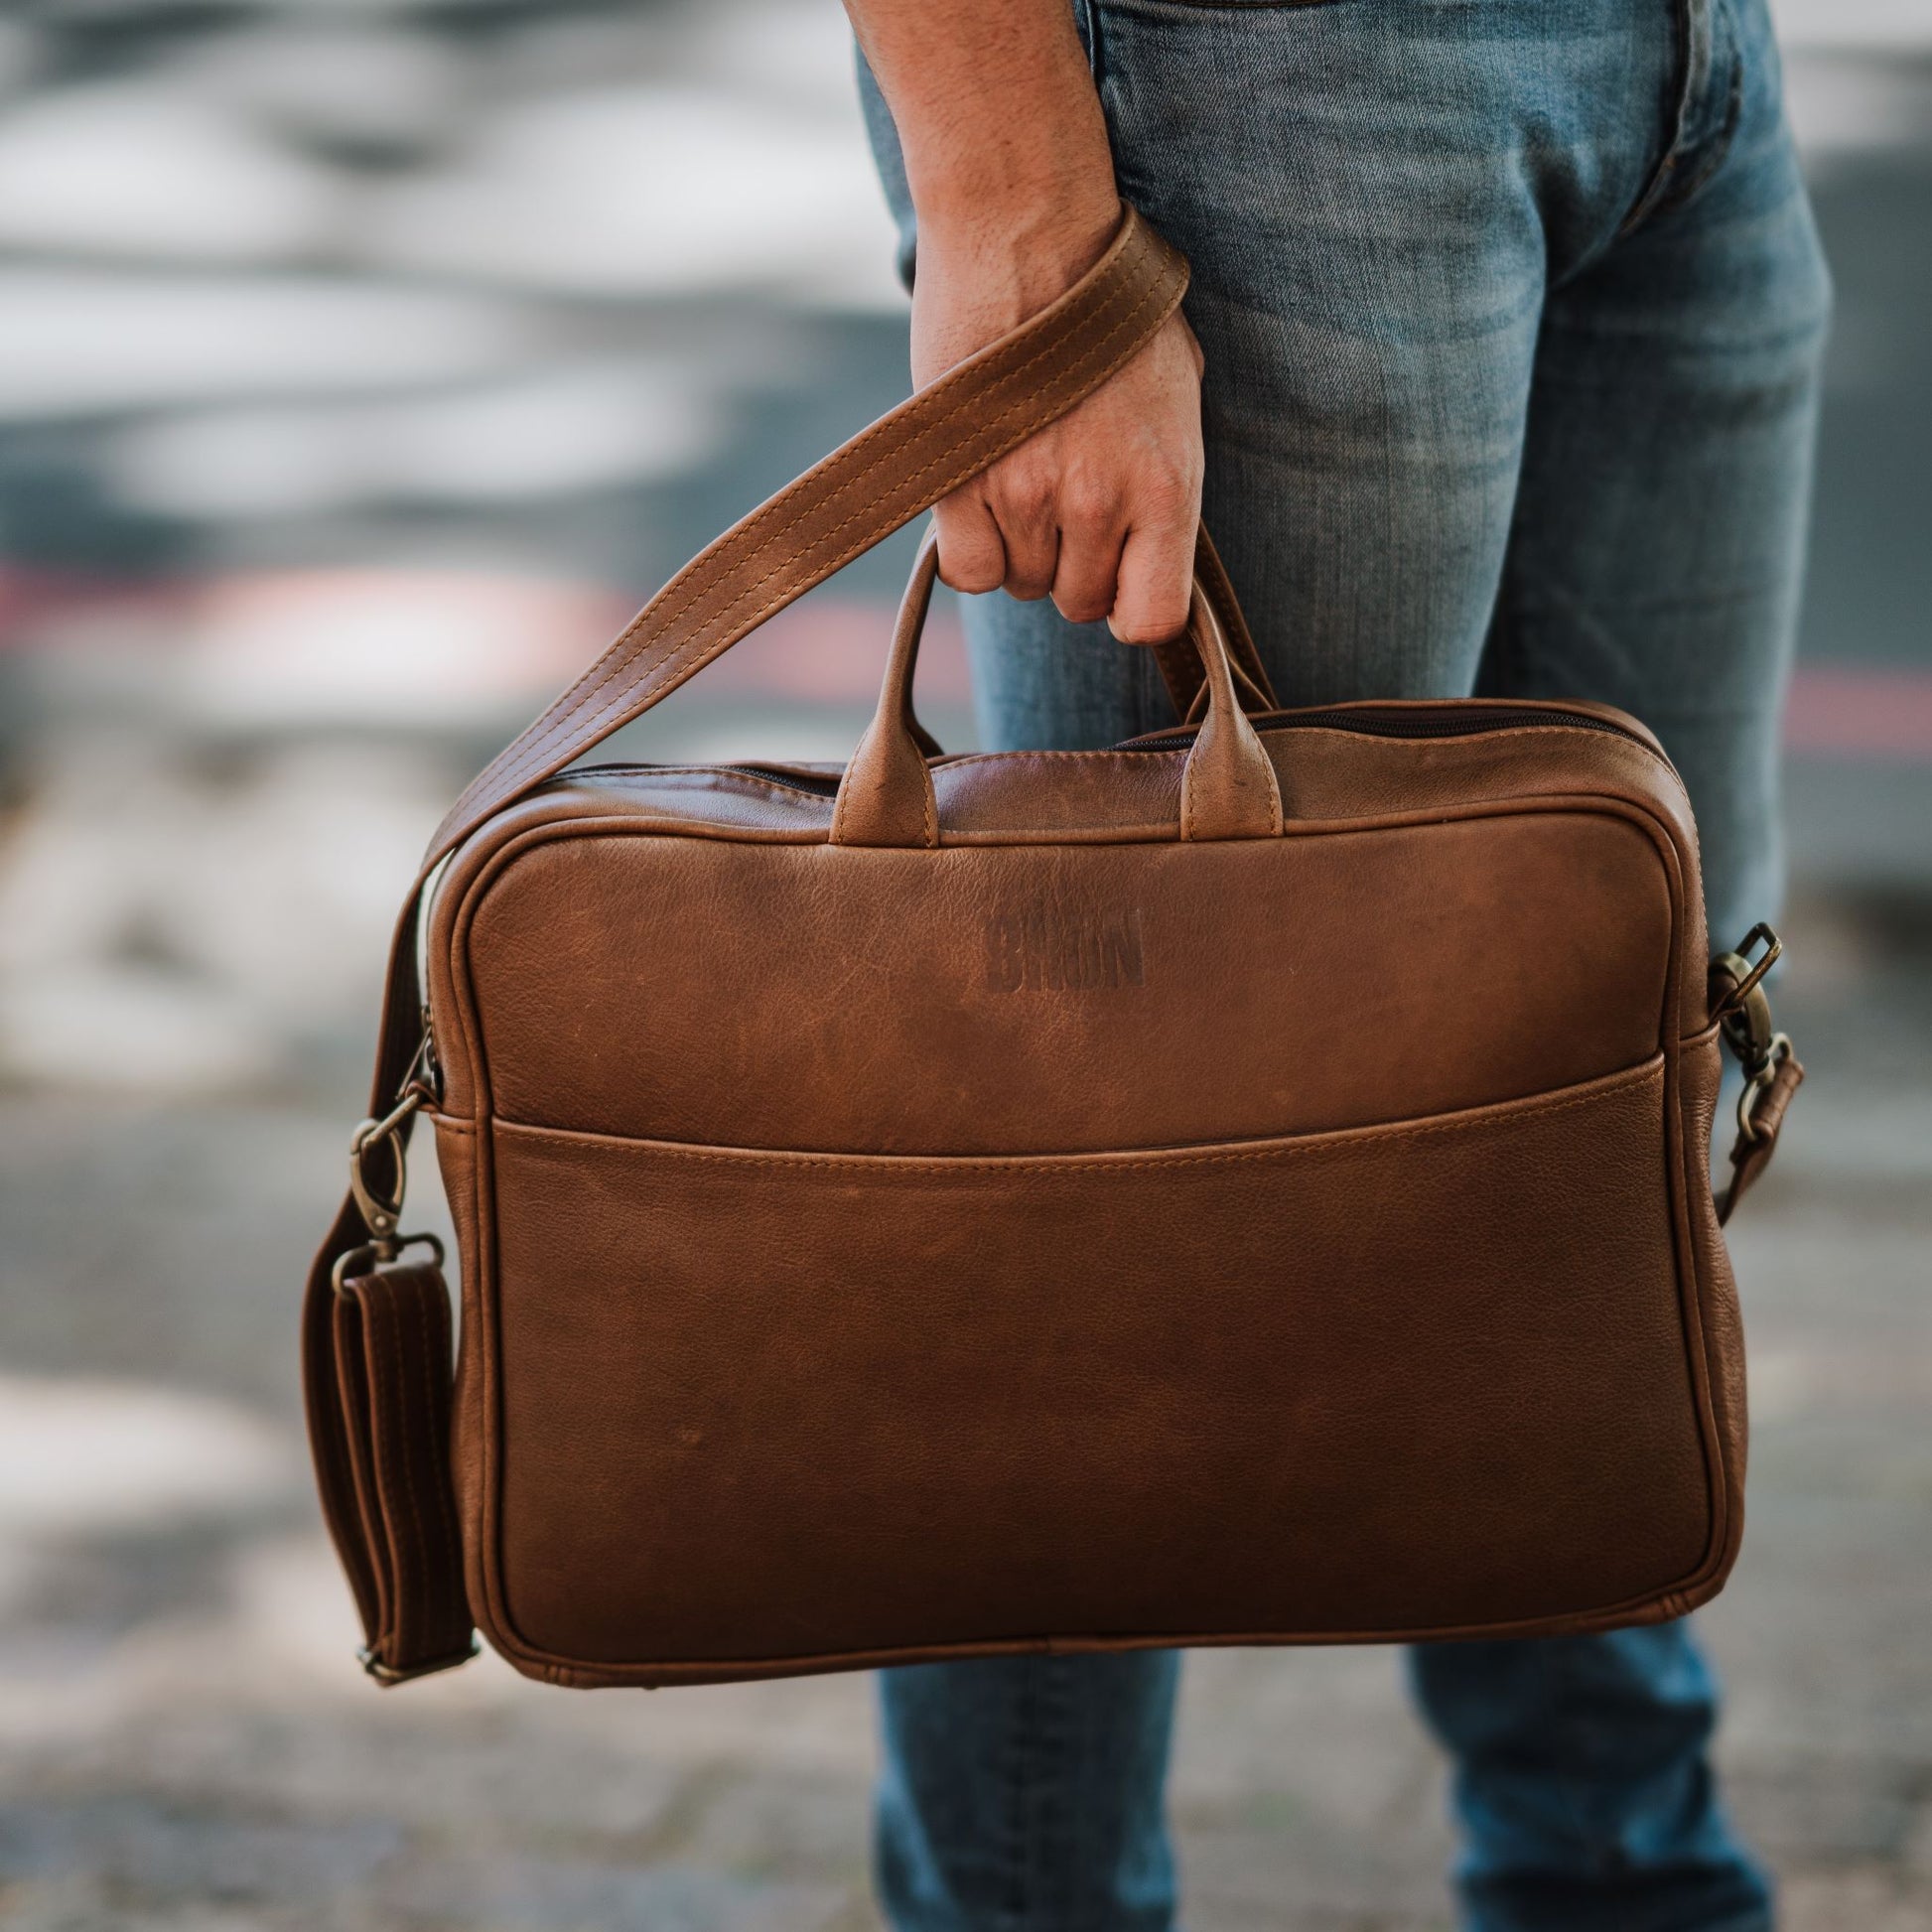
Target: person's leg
x,y
1366,404
1659,535
1369,220
1365,288
1024,1795
1654,563
1374,202
1582,1787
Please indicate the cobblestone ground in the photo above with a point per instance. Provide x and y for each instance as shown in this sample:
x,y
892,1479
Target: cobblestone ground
x,y
188,1744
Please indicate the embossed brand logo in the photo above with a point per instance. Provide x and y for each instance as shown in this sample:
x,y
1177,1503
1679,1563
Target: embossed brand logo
x,y
1049,949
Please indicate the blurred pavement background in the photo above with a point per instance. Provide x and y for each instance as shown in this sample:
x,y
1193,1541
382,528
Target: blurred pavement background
x,y
362,364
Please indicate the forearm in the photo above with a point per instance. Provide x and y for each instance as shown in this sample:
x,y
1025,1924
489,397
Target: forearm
x,y
1005,145
1013,182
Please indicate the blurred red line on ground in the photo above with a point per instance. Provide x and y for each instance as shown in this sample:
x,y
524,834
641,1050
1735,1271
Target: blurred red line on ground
x,y
831,651
525,634
514,638
1860,711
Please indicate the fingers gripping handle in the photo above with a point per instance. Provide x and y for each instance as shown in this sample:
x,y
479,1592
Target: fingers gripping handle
x,y
1228,789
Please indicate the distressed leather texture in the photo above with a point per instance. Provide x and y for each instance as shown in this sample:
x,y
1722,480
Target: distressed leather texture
x,y
1245,1187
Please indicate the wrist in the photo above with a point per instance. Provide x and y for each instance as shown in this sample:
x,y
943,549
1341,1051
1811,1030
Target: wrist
x,y
1038,201
1020,250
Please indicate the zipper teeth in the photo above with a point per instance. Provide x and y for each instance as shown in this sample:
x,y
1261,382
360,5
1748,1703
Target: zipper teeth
x,y
827,787
1363,723
1408,725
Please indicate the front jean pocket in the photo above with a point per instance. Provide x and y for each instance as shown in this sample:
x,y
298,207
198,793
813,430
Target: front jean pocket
x,y
761,1406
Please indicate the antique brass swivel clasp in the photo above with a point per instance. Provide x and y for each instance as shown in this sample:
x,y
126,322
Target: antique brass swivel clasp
x,y
1742,1010
379,1198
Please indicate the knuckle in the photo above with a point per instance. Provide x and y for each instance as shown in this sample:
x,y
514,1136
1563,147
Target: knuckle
x,y
1089,501
1025,493
1167,493
971,567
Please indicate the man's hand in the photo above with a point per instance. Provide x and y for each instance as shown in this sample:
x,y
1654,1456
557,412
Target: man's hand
x,y
1006,152
1099,510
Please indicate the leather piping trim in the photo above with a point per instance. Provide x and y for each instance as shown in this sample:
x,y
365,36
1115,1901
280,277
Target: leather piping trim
x,y
1650,1608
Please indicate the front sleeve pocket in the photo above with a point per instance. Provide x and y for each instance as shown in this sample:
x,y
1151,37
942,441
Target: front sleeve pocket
x,y
1418,1378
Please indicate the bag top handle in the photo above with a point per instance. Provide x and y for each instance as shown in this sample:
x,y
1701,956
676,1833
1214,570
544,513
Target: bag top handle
x,y
1228,789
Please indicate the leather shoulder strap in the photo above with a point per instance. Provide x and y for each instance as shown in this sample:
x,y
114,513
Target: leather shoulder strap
x,y
403,1577
859,494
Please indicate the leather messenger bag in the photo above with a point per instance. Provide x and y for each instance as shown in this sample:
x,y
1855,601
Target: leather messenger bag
x,y
1249,1185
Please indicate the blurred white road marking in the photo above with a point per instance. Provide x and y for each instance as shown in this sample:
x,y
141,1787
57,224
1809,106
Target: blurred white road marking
x,y
414,647
169,930
132,169
1843,106
83,341
655,190
545,434
1889,26
83,1456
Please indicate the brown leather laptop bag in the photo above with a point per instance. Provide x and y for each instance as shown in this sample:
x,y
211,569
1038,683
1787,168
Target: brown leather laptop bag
x,y
1245,1187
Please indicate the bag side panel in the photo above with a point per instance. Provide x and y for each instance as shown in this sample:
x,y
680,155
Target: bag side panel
x,y
1719,1328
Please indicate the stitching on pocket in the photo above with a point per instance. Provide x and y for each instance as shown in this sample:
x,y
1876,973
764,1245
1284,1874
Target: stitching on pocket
x,y
1055,1166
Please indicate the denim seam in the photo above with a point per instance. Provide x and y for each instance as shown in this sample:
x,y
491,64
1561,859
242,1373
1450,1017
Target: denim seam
x,y
1566,1787
1667,191
1683,193
1016,1782
1677,109
1051,1767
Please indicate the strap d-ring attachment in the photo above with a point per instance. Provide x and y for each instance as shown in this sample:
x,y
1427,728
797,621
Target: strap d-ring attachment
x,y
1742,1010
1737,998
379,1202
382,1206
1757,1084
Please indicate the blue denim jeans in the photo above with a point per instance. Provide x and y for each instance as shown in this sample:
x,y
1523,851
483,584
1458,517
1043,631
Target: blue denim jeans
x,y
1512,312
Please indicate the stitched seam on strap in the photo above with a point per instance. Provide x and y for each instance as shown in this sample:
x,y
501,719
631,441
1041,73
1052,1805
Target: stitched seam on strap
x,y
706,638
1132,265
567,712
440,1500
1130,258
539,746
397,1551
